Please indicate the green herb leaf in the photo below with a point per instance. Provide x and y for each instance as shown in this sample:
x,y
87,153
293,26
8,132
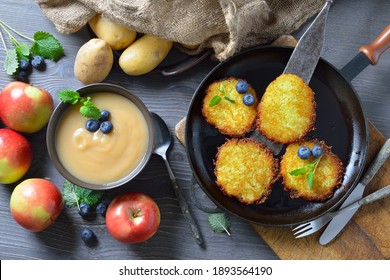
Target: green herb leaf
x,y
219,222
309,169
68,96
221,88
11,64
298,171
310,179
73,195
23,51
311,166
47,46
229,99
89,110
215,100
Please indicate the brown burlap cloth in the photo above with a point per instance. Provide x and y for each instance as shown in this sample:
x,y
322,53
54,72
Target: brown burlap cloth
x,y
226,26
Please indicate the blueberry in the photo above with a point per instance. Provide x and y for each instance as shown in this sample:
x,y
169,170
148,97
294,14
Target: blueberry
x,y
316,151
85,210
88,236
92,125
106,127
104,115
24,65
242,87
22,76
101,208
248,99
304,152
38,63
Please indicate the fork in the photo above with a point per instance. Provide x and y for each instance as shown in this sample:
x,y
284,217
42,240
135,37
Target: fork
x,y
315,225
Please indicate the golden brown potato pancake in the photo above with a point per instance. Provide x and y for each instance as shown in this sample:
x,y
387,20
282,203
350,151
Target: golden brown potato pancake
x,y
286,111
245,169
327,176
230,116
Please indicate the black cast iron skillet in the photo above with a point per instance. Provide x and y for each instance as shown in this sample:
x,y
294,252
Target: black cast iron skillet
x,y
340,122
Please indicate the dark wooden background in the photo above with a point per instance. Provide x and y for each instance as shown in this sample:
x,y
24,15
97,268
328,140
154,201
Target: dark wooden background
x,y
350,24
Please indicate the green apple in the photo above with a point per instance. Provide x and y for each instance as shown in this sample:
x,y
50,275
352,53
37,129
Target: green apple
x,y
15,156
24,107
36,203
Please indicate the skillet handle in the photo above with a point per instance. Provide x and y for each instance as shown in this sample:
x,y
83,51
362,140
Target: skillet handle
x,y
368,54
374,50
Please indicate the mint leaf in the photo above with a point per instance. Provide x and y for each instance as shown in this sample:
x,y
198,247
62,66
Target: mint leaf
x,y
47,46
219,222
298,171
68,96
310,179
73,195
221,88
23,52
11,63
229,99
89,110
215,100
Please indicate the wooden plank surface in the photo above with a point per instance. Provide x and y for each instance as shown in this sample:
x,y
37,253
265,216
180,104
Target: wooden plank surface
x,y
350,24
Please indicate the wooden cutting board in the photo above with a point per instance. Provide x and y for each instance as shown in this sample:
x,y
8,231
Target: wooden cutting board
x,y
366,236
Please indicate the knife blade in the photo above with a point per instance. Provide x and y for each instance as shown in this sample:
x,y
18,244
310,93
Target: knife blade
x,y
302,62
338,222
306,54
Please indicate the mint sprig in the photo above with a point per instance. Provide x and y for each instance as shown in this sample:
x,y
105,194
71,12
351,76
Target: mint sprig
x,y
216,98
44,44
74,195
308,170
88,109
47,46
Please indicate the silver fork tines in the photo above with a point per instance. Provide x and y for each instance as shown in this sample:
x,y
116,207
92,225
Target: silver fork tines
x,y
304,230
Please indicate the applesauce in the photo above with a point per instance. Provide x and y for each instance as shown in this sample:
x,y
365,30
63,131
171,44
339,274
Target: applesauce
x,y
98,158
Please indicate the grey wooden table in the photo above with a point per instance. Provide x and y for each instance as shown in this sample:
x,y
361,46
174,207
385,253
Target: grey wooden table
x,y
350,25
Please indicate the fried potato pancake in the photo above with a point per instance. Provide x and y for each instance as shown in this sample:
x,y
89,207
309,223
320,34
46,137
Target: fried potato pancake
x,y
327,176
286,112
245,169
230,116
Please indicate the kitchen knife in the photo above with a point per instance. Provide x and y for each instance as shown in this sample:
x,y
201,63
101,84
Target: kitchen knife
x,y
306,54
302,62
339,222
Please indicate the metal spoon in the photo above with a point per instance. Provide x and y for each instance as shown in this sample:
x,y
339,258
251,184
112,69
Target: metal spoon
x,y
162,142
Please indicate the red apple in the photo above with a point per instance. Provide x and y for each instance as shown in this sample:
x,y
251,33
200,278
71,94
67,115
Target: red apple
x,y
132,217
15,156
24,107
36,203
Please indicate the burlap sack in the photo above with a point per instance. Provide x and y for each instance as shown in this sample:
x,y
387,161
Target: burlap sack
x,y
226,26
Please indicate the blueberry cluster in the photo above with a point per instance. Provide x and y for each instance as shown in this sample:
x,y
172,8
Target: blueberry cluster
x,y
26,66
85,211
305,153
242,88
103,123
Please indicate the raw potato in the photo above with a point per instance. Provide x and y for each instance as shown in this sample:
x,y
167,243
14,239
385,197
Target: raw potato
x,y
117,36
144,55
93,61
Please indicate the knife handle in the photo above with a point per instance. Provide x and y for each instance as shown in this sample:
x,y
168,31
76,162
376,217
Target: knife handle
x,y
381,193
374,50
380,158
